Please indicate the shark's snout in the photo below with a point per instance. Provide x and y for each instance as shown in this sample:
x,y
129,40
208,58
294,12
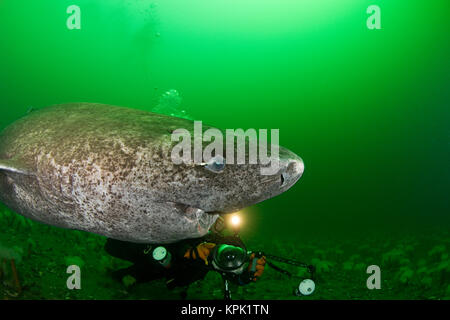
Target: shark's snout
x,y
292,168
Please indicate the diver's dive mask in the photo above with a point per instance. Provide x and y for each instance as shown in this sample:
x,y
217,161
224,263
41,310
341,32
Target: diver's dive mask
x,y
229,256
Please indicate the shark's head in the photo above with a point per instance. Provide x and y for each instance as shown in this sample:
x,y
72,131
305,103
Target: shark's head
x,y
220,187
238,186
194,192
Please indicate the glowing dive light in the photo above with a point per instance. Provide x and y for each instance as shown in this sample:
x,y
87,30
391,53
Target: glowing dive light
x,y
235,220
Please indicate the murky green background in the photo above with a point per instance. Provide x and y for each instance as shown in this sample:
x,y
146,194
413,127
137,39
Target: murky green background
x,y
367,110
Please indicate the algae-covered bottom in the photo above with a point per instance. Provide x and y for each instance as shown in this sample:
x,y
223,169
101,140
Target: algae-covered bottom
x,y
412,267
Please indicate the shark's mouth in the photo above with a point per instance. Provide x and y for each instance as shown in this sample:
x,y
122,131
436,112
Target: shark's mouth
x,y
215,212
189,209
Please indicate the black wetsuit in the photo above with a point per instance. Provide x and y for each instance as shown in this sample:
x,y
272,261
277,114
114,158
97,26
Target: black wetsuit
x,y
182,271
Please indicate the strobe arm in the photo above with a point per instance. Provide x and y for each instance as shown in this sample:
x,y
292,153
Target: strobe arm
x,y
311,269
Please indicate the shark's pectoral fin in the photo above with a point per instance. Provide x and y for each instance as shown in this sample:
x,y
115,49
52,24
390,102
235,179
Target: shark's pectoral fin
x,y
183,209
15,166
197,217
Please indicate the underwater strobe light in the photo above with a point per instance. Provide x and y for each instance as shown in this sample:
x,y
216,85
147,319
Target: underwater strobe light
x,y
305,288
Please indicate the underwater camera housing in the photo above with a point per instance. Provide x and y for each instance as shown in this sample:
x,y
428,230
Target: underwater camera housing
x,y
229,256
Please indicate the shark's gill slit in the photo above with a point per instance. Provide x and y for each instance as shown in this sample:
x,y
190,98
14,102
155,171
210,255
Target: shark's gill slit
x,y
282,180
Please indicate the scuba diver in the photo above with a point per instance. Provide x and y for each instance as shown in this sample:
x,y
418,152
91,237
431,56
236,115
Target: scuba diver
x,y
187,261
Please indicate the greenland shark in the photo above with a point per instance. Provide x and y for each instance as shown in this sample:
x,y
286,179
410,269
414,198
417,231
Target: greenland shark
x,y
108,170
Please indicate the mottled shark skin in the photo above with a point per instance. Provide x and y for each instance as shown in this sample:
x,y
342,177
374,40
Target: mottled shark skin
x,y
108,170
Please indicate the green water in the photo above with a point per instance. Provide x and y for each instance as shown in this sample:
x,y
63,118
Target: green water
x,y
367,110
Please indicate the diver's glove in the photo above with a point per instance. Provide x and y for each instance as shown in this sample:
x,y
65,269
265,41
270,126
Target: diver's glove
x,y
201,251
256,266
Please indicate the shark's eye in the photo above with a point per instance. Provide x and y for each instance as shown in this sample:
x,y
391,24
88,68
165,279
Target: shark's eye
x,y
216,164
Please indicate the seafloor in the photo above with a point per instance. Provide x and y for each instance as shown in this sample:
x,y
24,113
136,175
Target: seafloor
x,y
413,266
